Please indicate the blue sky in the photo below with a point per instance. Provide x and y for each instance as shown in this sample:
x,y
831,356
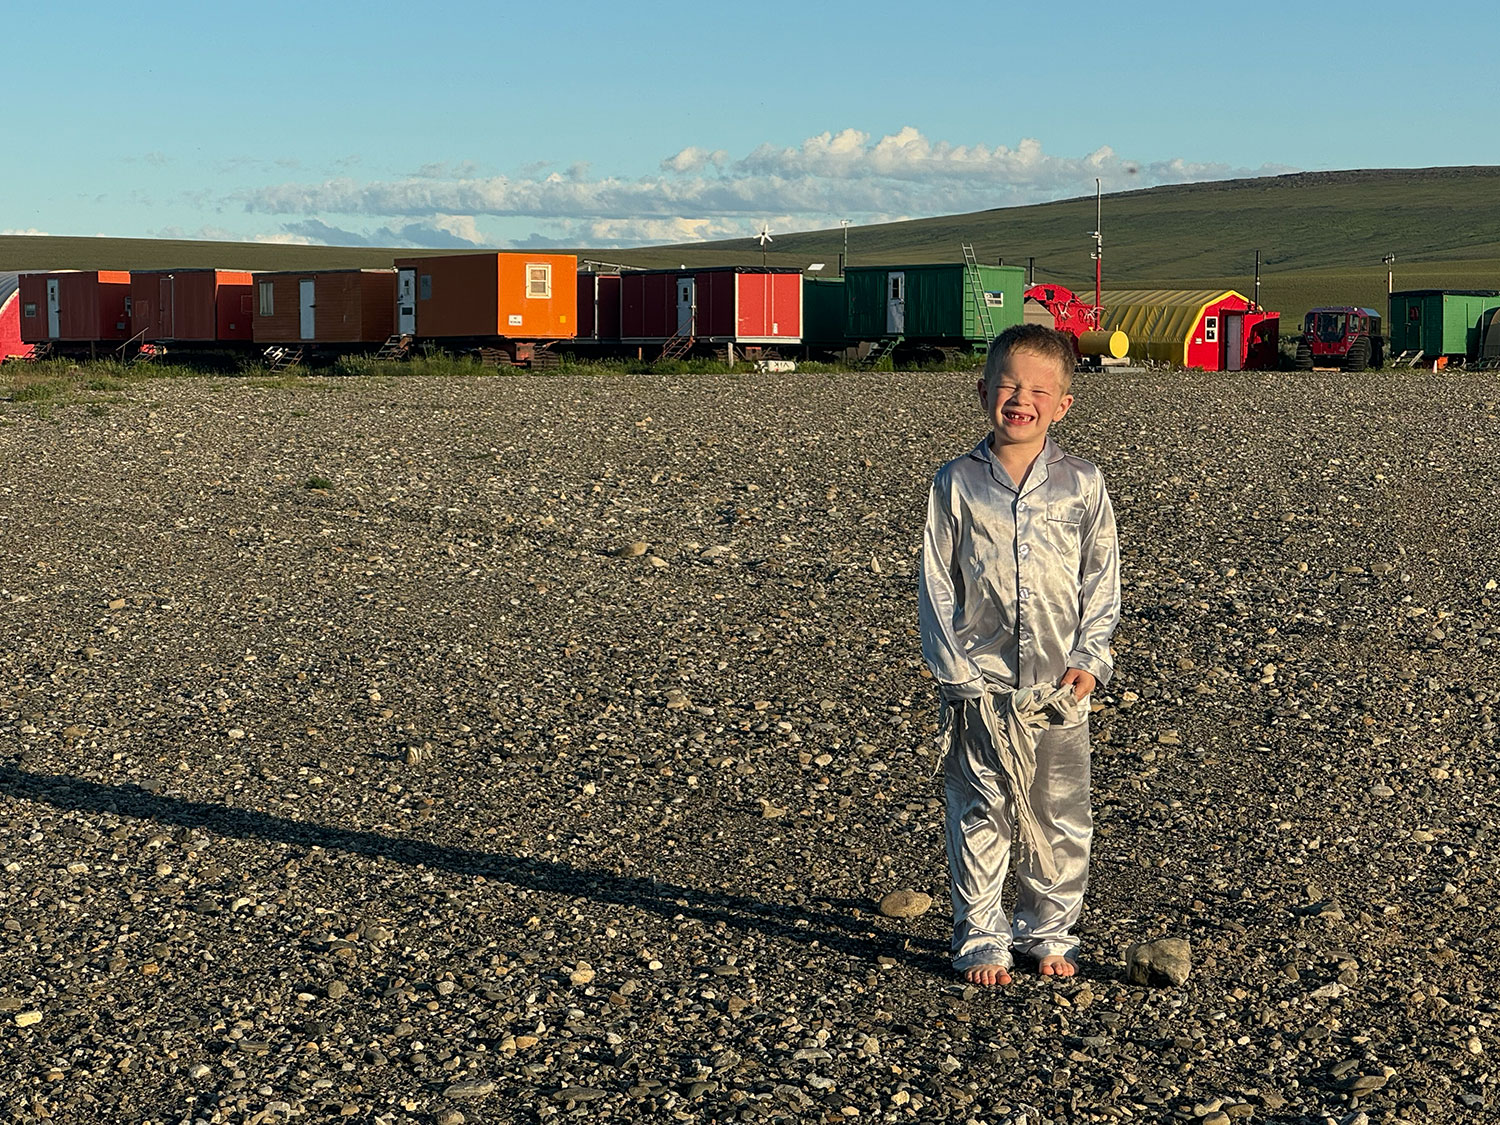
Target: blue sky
x,y
612,124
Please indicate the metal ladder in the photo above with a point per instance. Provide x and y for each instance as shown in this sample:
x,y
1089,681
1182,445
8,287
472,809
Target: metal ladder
x,y
976,287
39,352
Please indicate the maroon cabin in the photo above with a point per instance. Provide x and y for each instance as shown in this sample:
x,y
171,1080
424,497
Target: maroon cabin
x,y
744,305
324,307
598,308
191,305
75,306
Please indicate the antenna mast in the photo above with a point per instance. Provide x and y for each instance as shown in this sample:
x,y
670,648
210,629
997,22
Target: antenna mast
x,y
1098,254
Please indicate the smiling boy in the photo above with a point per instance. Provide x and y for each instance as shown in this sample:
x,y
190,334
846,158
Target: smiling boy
x,y
1019,590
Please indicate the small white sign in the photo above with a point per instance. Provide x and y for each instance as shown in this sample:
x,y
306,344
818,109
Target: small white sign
x,y
515,320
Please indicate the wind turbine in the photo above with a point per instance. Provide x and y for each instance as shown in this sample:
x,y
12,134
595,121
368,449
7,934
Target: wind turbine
x,y
763,237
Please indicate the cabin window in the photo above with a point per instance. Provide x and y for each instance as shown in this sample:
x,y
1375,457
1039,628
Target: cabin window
x,y
1210,329
29,310
539,281
426,287
128,305
267,298
1414,313
994,300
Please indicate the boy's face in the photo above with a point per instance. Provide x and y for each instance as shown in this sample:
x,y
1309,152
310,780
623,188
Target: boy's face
x,y
1024,399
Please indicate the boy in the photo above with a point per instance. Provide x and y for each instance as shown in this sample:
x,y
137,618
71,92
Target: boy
x,y
1019,595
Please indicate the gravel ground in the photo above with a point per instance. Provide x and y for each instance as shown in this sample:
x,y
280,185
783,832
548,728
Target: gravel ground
x,y
409,799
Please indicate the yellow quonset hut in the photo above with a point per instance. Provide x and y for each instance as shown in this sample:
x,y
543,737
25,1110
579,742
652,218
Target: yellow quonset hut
x,y
1215,329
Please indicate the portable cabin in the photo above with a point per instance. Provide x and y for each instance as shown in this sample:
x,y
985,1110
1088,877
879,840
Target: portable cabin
x,y
598,308
77,306
823,313
1439,322
334,307
1216,330
734,305
10,317
200,306
946,305
488,296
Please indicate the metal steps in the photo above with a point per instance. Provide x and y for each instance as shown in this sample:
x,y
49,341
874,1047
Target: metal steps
x,y
147,353
882,348
396,347
677,347
279,357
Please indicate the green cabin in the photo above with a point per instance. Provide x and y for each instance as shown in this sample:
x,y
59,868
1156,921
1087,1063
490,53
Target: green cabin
x,y
823,313
1438,322
943,305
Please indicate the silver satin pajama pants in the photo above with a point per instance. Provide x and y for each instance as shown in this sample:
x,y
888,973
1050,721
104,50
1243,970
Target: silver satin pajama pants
x,y
980,827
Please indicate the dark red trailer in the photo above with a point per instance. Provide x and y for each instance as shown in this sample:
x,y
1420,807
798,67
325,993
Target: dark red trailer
x,y
325,307
739,305
598,308
201,306
75,306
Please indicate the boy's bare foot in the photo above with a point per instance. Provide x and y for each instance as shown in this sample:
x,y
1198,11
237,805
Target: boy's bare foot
x,y
1056,966
988,975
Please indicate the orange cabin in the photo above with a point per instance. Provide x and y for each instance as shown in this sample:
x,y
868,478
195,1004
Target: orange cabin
x,y
483,296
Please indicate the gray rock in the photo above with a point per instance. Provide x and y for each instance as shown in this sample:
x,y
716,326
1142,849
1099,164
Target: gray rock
x,y
1161,962
905,903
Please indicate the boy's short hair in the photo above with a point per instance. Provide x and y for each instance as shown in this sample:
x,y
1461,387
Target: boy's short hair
x,y
1037,339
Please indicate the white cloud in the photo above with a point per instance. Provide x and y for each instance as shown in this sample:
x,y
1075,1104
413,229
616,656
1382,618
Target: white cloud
x,y
699,193
27,231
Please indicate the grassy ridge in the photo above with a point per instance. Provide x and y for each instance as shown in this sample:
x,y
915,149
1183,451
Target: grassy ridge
x,y
1321,235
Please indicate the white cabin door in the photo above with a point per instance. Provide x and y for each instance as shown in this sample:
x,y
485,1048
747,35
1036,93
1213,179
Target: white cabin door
x,y
54,310
895,304
306,288
1234,341
406,302
685,305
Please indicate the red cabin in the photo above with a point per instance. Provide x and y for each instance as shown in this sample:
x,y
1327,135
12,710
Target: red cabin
x,y
337,307
598,308
191,305
10,317
740,305
78,306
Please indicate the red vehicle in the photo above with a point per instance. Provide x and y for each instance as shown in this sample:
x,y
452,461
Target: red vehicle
x,y
1341,336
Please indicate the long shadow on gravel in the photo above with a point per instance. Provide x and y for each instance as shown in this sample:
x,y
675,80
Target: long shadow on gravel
x,y
668,900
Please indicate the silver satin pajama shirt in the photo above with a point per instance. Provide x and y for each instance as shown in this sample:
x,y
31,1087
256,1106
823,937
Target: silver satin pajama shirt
x,y
1018,585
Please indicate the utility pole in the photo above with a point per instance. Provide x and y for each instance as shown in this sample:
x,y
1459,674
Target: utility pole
x,y
1389,260
845,259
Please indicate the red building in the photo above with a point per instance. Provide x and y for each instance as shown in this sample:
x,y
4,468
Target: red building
x,y
598,308
740,305
10,317
77,306
1217,330
190,305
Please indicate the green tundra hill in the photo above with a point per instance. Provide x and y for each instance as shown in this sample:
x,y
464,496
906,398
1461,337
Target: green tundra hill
x,y
1321,235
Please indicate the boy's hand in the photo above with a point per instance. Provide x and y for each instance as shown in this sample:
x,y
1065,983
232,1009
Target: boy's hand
x,y
1083,682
